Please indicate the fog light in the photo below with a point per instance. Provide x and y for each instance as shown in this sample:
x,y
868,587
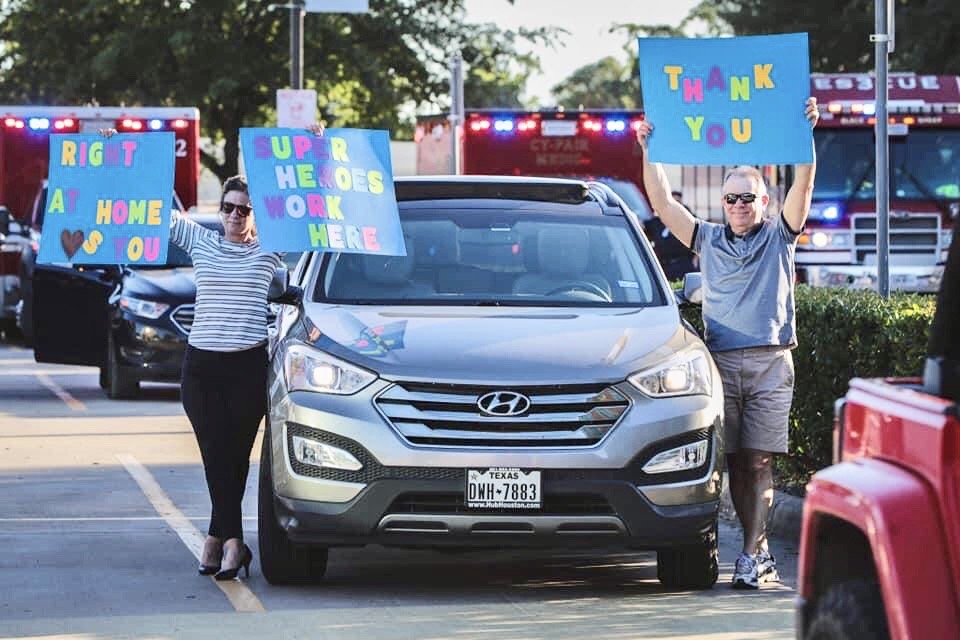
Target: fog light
x,y
688,456
318,454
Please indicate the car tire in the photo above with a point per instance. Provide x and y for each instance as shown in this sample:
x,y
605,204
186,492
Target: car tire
x,y
104,379
690,566
119,385
847,611
282,561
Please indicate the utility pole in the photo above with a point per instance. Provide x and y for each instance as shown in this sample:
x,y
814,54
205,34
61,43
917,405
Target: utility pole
x,y
883,39
456,111
297,11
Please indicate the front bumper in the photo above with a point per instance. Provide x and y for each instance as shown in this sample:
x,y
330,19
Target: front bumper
x,y
149,350
917,279
408,495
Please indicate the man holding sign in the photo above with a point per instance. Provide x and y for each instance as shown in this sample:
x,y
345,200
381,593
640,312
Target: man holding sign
x,y
748,285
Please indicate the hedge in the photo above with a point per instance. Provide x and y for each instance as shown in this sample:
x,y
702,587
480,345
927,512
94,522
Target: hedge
x,y
843,334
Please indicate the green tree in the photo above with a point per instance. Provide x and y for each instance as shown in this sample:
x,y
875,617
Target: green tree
x,y
607,83
228,57
496,71
839,30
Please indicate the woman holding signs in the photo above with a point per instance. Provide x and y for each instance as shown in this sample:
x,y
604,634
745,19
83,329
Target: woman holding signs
x,y
223,385
224,378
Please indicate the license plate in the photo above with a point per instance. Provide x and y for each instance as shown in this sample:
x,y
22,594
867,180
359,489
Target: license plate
x,y
503,488
552,128
94,126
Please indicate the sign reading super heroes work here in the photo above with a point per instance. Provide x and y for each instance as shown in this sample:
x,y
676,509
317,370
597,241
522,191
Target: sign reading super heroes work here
x,y
323,193
716,101
108,199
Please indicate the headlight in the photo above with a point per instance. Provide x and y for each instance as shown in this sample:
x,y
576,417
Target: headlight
x,y
143,308
688,456
307,369
686,375
828,211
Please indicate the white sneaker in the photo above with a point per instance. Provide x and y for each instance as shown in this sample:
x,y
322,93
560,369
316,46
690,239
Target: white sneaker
x,y
745,573
767,567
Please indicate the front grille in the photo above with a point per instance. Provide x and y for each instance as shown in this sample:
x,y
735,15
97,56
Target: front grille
x,y
449,414
448,503
373,470
182,318
916,233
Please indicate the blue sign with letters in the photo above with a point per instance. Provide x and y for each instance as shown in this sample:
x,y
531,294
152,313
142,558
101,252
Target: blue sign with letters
x,y
323,193
108,199
722,101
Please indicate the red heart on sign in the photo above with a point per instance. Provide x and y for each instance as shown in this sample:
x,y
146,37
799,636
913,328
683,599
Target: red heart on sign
x,y
71,241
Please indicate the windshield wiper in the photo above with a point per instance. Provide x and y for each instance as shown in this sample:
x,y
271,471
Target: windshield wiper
x,y
924,189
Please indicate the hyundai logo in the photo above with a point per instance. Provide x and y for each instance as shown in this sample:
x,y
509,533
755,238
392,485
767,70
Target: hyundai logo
x,y
503,403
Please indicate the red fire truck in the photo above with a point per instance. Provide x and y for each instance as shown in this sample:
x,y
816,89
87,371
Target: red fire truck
x,y
839,245
597,145
24,154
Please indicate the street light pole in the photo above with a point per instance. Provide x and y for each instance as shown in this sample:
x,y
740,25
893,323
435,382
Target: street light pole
x,y
883,41
456,112
297,11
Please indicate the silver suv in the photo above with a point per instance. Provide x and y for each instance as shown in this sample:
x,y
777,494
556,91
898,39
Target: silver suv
x,y
522,377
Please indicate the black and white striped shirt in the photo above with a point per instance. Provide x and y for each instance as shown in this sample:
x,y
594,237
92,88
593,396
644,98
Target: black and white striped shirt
x,y
232,281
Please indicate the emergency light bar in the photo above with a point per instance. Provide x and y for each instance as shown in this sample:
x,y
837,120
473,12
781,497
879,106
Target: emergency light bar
x,y
588,124
894,106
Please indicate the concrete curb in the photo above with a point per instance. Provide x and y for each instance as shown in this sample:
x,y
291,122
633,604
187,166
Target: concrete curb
x,y
786,514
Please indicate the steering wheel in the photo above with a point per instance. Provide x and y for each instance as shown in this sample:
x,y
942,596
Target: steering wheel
x,y
584,286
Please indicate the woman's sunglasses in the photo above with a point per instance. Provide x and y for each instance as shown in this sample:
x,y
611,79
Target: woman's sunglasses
x,y
243,210
731,198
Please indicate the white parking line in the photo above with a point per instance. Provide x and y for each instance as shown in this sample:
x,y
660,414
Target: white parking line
x,y
240,596
61,393
107,519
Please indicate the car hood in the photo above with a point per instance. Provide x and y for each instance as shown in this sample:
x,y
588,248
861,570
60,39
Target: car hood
x,y
534,346
176,285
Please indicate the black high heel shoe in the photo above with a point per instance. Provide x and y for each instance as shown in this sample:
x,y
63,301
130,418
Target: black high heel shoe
x,y
210,569
245,559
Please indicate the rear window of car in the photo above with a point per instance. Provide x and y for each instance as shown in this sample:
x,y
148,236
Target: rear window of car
x,y
499,257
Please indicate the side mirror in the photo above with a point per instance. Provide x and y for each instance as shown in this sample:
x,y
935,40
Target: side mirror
x,y
280,290
692,289
4,221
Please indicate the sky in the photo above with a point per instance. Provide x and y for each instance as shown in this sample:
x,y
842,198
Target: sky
x,y
587,21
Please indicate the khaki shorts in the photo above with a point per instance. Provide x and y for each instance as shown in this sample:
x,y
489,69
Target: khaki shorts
x,y
757,394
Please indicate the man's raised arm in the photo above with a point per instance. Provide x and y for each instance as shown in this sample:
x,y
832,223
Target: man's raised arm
x,y
796,206
674,215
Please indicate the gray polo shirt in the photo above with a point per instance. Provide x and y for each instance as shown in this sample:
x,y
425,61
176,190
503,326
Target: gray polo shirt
x,y
747,284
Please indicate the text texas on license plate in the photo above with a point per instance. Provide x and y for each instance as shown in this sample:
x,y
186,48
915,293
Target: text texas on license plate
x,y
503,488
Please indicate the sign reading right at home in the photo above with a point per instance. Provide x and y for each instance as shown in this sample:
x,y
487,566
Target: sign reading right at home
x,y
719,101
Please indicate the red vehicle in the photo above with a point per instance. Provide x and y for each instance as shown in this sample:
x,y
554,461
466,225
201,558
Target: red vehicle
x,y
880,546
24,158
25,145
839,246
598,145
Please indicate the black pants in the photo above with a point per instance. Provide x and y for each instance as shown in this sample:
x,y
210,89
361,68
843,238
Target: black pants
x,y
225,396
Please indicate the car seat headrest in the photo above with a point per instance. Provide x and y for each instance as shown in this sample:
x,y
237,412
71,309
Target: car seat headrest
x,y
563,252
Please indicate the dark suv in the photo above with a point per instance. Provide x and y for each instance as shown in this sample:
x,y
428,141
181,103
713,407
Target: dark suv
x,y
521,378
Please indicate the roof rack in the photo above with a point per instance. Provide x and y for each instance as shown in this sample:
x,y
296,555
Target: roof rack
x,y
493,187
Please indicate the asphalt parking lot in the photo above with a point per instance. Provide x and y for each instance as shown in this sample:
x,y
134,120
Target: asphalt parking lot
x,y
103,507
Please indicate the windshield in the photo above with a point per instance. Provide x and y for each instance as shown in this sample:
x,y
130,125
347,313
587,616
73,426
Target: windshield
x,y
924,164
498,257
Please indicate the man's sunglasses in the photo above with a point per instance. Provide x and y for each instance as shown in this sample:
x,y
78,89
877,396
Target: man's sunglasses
x,y
243,210
731,198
